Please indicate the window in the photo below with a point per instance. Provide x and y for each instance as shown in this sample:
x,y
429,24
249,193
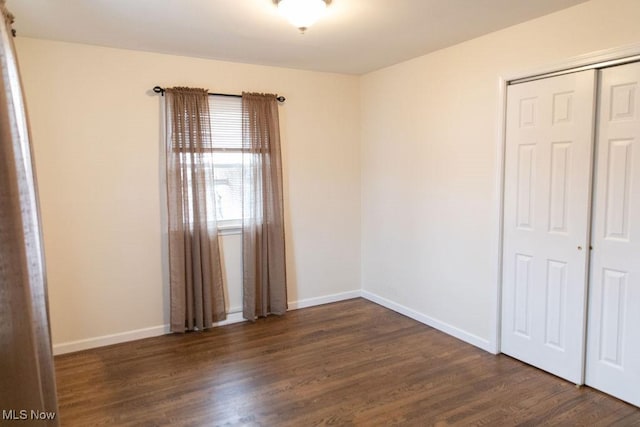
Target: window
x,y
226,157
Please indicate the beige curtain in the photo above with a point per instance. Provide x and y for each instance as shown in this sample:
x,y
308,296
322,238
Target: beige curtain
x,y
263,248
197,294
26,362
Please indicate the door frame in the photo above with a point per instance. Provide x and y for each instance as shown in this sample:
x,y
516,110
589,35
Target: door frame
x,y
596,59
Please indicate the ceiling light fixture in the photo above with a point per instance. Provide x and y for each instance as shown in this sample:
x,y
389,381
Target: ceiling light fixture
x,y
302,13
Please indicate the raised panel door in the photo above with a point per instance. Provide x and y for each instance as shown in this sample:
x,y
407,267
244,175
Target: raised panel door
x,y
613,344
548,162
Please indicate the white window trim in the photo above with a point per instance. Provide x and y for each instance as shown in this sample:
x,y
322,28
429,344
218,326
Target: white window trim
x,y
229,226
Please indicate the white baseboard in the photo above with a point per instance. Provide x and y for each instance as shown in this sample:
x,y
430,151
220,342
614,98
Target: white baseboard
x,y
234,316
327,299
101,341
137,334
430,321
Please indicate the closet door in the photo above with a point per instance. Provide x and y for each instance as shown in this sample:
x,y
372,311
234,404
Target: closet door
x,y
548,162
613,352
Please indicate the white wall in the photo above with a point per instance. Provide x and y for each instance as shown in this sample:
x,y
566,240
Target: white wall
x,y
430,163
96,136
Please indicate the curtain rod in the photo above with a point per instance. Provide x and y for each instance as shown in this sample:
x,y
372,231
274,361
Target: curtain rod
x,y
160,90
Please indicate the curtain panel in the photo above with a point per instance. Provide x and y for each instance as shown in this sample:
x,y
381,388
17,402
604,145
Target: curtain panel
x,y
263,242
196,287
26,362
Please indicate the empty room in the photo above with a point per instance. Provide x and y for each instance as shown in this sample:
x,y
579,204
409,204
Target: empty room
x,y
320,212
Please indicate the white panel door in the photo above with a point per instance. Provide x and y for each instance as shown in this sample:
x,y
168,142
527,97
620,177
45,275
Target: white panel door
x,y
548,163
613,343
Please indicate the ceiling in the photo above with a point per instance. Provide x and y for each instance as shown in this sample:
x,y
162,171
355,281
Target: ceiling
x,y
354,37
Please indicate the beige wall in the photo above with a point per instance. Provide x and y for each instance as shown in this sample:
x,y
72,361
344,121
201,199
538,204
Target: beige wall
x,y
418,141
430,163
96,130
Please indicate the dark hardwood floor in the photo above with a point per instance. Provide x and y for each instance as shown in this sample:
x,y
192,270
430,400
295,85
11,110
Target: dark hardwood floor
x,y
348,363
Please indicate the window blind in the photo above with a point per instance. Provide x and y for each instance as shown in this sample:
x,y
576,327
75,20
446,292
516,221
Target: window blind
x,y
226,122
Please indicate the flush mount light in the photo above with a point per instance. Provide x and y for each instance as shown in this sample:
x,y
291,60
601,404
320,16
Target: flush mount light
x,y
302,13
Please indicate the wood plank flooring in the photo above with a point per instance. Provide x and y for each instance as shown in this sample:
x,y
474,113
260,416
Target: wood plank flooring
x,y
348,363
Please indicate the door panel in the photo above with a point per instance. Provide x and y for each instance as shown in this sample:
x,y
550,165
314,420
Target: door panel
x,y
548,159
613,347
